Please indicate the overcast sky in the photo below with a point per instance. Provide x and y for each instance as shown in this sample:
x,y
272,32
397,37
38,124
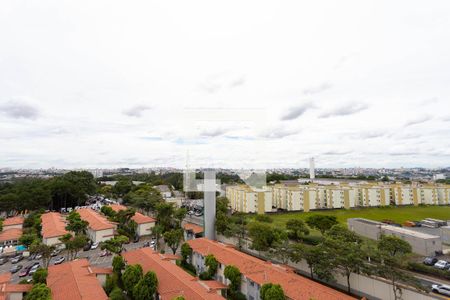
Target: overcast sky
x,y
252,84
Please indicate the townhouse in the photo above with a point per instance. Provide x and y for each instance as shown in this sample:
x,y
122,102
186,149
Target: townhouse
x,y
172,280
256,272
145,223
77,280
99,228
53,228
12,291
13,223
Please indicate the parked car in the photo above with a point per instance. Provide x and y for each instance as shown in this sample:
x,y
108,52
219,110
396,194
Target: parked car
x,y
94,246
87,247
430,261
441,289
25,271
3,260
105,253
31,257
16,268
16,259
39,256
33,269
56,252
441,264
59,260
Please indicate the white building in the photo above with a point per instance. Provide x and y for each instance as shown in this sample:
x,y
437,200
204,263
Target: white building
x,y
99,229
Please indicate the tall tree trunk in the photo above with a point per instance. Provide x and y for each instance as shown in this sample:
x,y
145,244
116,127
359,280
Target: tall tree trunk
x,y
348,282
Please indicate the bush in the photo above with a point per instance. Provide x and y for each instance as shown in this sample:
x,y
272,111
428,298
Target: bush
x,y
205,276
187,267
421,268
312,240
263,218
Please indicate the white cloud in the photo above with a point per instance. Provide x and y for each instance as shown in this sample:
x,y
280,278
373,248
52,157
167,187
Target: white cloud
x,y
280,75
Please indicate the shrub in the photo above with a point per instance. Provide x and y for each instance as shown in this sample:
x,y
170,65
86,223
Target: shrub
x,y
116,294
421,268
312,240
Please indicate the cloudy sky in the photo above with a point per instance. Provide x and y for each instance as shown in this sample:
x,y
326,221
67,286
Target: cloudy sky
x,y
235,83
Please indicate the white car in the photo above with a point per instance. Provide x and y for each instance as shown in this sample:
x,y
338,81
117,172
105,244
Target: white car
x,y
441,289
441,264
34,269
94,246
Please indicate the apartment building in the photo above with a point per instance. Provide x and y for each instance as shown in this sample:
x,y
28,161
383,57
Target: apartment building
x,y
53,228
172,280
76,280
145,223
302,197
256,272
99,228
245,199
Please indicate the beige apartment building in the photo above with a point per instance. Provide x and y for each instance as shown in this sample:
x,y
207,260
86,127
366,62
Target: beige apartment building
x,y
300,197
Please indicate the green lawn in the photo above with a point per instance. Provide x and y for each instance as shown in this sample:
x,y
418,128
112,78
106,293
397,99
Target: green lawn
x,y
397,214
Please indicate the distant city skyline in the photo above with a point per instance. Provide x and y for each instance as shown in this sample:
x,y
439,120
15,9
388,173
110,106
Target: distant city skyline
x,y
239,84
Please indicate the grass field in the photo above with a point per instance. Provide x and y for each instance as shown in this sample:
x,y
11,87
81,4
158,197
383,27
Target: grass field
x,y
397,214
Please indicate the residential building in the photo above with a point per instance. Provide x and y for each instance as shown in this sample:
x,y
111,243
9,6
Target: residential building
x,y
172,280
145,223
164,190
245,199
421,243
13,222
10,237
53,228
192,231
256,272
77,280
99,228
12,291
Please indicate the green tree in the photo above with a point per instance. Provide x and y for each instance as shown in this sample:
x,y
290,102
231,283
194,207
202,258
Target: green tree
x,y
118,264
108,211
116,294
144,197
164,214
393,252
348,255
320,261
131,276
297,229
1,224
44,250
40,276
222,205
264,237
321,222
76,224
271,291
212,264
233,274
73,244
145,289
28,239
114,245
186,252
179,215
173,238
157,232
122,187
39,292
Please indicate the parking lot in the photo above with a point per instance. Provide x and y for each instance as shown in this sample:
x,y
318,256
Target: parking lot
x,y
93,256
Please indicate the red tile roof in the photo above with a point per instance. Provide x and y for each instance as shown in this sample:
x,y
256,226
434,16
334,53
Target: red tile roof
x,y
12,234
74,281
6,287
172,280
96,221
13,221
193,227
138,217
295,287
53,225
